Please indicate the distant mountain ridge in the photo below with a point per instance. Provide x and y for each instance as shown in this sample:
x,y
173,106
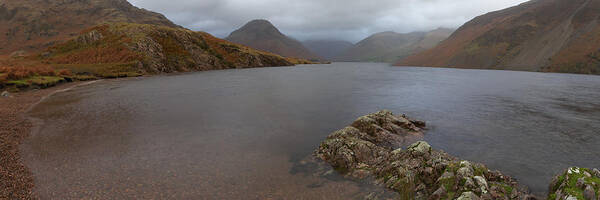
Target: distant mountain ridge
x,y
261,34
32,25
327,49
539,35
391,46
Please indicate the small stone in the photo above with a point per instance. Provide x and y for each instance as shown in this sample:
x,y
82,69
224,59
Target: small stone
x,y
573,170
587,174
5,94
371,196
446,175
420,124
438,194
596,172
580,183
420,147
482,183
589,193
397,151
465,163
469,183
571,198
487,196
514,194
558,195
554,183
468,196
464,172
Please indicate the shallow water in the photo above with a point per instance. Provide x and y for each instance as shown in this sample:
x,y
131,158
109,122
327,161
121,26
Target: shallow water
x,y
237,133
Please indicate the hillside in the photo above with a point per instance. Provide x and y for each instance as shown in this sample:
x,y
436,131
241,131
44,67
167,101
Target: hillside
x,y
33,25
539,35
262,35
391,47
327,49
122,48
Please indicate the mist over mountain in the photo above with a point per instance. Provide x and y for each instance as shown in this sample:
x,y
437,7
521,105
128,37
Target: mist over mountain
x,y
328,49
263,35
349,20
540,35
391,46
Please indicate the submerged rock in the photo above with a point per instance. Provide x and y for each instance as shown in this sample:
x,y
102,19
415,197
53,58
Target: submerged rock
x,y
369,149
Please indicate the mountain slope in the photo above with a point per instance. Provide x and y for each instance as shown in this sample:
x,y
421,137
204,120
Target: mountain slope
x,y
31,25
391,46
327,49
539,35
123,49
262,35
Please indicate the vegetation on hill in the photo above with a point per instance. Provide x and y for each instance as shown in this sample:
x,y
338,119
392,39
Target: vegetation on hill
x,y
124,50
548,36
34,25
391,47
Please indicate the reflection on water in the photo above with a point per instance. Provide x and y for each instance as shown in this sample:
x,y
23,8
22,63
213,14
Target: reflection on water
x,y
237,133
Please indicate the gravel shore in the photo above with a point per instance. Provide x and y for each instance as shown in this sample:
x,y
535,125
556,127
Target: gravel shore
x,y
17,181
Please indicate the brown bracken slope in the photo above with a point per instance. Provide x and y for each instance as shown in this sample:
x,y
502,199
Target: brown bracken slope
x,y
34,25
125,49
262,35
539,35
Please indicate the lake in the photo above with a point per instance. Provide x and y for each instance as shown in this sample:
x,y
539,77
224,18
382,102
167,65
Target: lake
x,y
237,134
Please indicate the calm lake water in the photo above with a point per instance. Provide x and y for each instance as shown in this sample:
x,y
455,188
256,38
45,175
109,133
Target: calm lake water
x,y
237,133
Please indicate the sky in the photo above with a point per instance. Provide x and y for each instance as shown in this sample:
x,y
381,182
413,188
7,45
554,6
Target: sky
x,y
350,20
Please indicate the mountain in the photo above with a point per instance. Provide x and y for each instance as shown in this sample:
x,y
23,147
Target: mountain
x,y
391,47
327,49
539,35
262,35
32,25
122,49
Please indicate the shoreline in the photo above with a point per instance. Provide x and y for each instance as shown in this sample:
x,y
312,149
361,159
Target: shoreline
x,y
17,179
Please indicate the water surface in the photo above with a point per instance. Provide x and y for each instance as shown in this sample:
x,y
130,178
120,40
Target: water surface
x,y
237,133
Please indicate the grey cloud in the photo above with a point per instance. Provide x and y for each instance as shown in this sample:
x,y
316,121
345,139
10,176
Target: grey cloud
x,y
324,19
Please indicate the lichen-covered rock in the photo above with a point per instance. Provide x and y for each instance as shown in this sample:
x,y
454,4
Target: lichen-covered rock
x,y
420,148
575,183
468,196
369,149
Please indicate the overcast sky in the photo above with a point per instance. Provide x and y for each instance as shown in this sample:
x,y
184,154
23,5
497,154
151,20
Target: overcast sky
x,y
350,20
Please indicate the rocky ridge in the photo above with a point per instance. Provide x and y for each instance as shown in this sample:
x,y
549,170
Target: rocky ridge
x,y
124,49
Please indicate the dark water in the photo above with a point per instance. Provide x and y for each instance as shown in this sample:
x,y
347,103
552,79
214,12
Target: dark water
x,y
236,134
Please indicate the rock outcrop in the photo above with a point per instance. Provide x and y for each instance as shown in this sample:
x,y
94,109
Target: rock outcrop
x,y
576,183
119,49
370,149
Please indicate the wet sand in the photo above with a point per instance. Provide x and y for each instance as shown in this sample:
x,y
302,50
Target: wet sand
x,y
17,181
